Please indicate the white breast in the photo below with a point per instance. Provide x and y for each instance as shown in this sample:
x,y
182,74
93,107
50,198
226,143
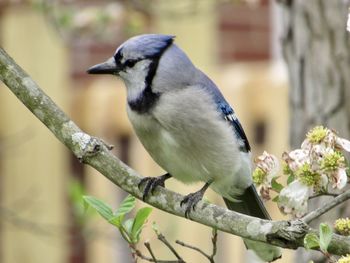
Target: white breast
x,y
187,137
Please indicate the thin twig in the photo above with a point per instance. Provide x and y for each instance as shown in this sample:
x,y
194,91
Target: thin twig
x,y
328,206
323,194
329,257
142,256
162,238
214,240
148,246
194,248
135,252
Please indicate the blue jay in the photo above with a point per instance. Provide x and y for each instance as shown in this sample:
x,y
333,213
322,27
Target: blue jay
x,y
187,126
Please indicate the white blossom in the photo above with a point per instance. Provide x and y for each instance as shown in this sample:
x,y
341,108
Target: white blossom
x,y
315,168
269,164
342,144
340,178
267,168
295,159
293,199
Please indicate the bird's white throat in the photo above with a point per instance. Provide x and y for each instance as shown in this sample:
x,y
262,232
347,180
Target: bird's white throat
x,y
135,79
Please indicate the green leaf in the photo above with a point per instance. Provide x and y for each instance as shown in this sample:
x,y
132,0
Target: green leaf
x,y
127,227
102,208
326,234
276,185
311,241
116,221
139,221
290,179
126,206
86,205
125,234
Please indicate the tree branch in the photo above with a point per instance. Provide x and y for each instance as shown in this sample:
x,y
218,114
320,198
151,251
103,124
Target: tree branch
x,y
92,151
328,206
322,195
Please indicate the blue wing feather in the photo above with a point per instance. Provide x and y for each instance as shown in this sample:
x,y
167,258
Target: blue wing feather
x,y
230,116
226,110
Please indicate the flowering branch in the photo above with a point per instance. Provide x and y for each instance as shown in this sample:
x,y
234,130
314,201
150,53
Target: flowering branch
x,y
312,171
94,152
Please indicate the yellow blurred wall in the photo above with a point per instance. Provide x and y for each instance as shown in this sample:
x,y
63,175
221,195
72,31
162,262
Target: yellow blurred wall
x,y
33,163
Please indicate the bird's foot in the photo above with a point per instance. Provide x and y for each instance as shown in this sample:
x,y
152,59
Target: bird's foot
x,y
190,201
151,184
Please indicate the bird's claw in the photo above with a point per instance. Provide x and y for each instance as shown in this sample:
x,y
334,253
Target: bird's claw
x,y
190,201
151,184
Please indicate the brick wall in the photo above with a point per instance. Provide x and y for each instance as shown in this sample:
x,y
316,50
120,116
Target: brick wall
x,y
244,31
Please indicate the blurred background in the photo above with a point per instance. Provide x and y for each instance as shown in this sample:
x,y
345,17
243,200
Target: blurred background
x,y
237,43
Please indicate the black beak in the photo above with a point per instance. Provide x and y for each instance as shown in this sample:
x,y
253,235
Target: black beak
x,y
107,67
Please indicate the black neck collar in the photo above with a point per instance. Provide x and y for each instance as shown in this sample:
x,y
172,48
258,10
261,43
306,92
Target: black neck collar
x,y
147,99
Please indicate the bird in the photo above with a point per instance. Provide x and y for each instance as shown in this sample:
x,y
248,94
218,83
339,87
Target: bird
x,y
187,126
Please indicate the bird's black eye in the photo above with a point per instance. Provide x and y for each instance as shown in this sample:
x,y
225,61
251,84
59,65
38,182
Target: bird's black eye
x,y
130,63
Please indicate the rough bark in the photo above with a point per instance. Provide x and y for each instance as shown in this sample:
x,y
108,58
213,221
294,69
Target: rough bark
x,y
316,48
